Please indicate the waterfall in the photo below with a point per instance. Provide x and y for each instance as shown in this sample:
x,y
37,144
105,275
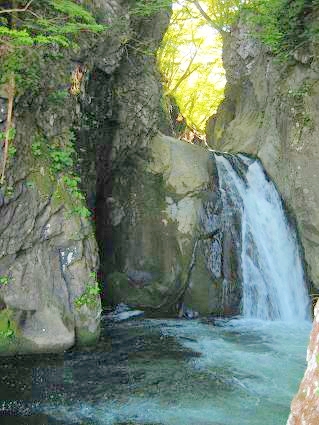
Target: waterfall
x,y
273,283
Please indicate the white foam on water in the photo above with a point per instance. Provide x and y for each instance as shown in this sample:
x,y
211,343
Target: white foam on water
x,y
255,367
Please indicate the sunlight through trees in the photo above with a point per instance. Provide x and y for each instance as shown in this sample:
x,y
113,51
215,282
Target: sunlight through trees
x,y
190,57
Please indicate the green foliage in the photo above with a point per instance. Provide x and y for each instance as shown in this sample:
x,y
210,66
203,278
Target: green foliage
x,y
8,333
262,16
39,145
36,149
71,182
190,60
9,191
11,135
300,92
90,294
192,68
150,7
8,327
51,23
73,10
81,211
12,150
61,157
4,280
282,25
58,97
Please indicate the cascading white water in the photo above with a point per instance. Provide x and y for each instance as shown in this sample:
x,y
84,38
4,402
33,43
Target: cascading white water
x,y
272,272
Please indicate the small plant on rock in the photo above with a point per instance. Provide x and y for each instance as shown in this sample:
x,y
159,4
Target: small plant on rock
x,y
90,294
4,280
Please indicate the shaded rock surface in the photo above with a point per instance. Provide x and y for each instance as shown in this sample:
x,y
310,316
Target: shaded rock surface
x,y
154,239
48,246
47,250
169,235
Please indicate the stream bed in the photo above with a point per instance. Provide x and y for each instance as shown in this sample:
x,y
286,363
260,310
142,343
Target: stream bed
x,y
162,372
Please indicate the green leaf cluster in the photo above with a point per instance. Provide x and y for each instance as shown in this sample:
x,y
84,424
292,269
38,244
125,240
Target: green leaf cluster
x,y
283,25
72,184
4,280
51,23
90,294
150,7
11,135
61,157
8,326
73,10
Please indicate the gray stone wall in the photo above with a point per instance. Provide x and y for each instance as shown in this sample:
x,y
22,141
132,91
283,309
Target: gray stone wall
x,y
48,245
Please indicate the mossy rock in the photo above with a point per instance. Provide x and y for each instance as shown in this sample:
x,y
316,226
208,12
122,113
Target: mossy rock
x,y
84,337
9,331
155,295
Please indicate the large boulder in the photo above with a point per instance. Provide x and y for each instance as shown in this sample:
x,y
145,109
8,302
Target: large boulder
x,y
170,248
155,231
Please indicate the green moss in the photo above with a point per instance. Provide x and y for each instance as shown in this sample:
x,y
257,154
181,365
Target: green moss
x,y
86,338
9,332
42,182
61,196
153,193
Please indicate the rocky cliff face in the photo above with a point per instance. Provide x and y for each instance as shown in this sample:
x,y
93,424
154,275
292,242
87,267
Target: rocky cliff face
x,y
270,111
49,254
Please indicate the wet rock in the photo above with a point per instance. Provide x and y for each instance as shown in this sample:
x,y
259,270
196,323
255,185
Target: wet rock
x,y
187,313
305,405
123,312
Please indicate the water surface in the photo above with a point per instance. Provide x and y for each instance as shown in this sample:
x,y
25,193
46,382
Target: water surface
x,y
163,372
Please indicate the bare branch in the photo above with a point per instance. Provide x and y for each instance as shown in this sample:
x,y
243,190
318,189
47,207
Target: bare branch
x,y
23,9
11,93
205,16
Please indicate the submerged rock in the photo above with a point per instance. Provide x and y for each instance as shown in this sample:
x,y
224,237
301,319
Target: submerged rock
x,y
187,313
123,312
